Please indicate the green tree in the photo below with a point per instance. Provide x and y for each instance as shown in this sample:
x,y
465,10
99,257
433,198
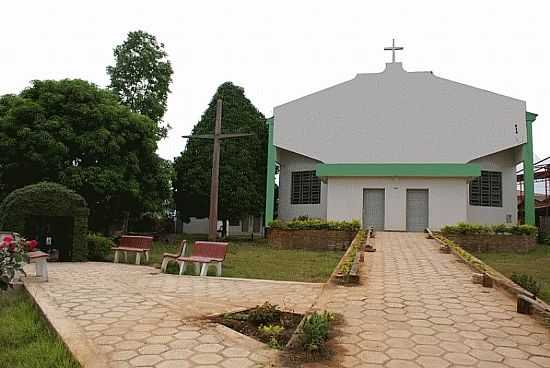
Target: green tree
x,y
142,75
242,161
76,134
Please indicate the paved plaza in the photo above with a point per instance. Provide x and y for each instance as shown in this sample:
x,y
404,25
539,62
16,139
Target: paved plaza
x,y
416,307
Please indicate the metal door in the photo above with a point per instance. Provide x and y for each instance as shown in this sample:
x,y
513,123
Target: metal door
x,y
417,209
373,208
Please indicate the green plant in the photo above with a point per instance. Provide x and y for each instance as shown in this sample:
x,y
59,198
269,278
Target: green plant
x,y
99,247
316,224
527,282
271,330
49,199
465,229
264,314
11,259
523,229
315,330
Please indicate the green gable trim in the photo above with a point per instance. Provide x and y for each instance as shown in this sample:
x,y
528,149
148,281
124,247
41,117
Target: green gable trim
x,y
436,170
529,171
530,116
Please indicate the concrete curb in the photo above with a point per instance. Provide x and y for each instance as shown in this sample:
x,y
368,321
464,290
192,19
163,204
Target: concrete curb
x,y
70,333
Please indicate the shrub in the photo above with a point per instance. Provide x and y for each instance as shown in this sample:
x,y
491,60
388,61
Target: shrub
x,y
315,330
302,223
465,229
264,314
527,282
523,229
99,247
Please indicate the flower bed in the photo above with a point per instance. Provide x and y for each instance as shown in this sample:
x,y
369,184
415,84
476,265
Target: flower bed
x,y
482,238
347,270
312,234
12,257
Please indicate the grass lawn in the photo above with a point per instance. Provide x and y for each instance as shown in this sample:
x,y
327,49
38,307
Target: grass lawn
x,y
26,341
535,263
257,260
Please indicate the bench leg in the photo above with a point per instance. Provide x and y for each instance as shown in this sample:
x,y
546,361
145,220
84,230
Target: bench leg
x,y
204,269
197,268
116,256
219,269
38,267
125,257
138,258
147,256
45,270
182,267
164,264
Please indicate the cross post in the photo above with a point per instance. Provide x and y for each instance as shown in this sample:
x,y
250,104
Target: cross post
x,y
215,181
393,48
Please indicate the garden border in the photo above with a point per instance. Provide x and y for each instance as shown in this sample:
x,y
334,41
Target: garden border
x,y
541,310
70,333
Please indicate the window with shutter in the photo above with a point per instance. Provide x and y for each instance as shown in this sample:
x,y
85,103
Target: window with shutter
x,y
305,188
486,190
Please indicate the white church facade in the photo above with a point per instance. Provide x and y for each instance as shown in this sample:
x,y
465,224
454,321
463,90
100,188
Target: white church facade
x,y
401,151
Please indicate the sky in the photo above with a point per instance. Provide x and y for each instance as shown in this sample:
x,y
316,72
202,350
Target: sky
x,y
282,50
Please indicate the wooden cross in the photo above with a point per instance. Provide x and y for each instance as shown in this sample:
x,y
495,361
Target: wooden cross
x,y
393,48
214,185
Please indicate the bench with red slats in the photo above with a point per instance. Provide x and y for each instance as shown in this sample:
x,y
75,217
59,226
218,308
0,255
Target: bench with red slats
x,y
204,254
135,244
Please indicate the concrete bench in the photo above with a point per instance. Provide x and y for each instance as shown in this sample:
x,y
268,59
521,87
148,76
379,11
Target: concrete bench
x,y
168,257
40,259
134,244
204,254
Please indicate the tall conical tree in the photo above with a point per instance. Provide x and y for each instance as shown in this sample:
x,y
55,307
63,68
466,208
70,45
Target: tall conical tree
x,y
242,161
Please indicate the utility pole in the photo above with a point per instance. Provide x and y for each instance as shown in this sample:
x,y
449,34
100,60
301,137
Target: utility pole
x,y
215,181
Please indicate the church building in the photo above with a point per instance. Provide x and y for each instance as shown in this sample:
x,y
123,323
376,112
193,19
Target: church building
x,y
401,151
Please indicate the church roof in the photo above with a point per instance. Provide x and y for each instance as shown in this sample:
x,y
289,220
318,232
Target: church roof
x,y
401,117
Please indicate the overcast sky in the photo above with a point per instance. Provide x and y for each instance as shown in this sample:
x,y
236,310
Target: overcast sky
x,y
282,50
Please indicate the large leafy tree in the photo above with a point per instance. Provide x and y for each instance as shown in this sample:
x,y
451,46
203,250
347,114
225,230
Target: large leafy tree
x,y
242,161
74,133
141,75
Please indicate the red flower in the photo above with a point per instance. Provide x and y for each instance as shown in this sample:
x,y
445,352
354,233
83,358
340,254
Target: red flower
x,y
32,244
7,239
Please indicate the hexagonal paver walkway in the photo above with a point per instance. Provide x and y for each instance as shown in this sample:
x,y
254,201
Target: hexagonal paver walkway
x,y
419,308
120,315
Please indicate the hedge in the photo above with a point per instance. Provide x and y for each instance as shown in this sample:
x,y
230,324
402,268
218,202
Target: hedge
x,y
466,229
47,199
316,224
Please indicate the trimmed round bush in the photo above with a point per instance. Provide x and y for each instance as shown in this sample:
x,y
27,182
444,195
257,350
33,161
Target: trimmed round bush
x,y
47,199
99,247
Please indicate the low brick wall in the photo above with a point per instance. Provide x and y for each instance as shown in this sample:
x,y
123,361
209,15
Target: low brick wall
x,y
492,242
309,239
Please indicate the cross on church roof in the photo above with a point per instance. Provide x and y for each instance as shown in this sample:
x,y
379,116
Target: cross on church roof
x,y
393,48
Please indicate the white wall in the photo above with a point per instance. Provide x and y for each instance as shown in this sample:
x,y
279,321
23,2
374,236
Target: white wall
x,y
290,162
447,199
393,117
504,162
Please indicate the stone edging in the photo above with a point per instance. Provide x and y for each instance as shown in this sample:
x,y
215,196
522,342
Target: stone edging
x,y
70,333
541,309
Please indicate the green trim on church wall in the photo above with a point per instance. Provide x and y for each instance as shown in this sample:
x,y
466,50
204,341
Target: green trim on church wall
x,y
528,171
270,180
392,169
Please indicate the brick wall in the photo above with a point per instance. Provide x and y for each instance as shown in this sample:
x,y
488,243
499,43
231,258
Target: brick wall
x,y
489,242
309,239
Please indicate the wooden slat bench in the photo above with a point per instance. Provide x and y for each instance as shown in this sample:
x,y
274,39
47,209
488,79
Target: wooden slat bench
x,y
204,254
167,257
40,259
134,244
